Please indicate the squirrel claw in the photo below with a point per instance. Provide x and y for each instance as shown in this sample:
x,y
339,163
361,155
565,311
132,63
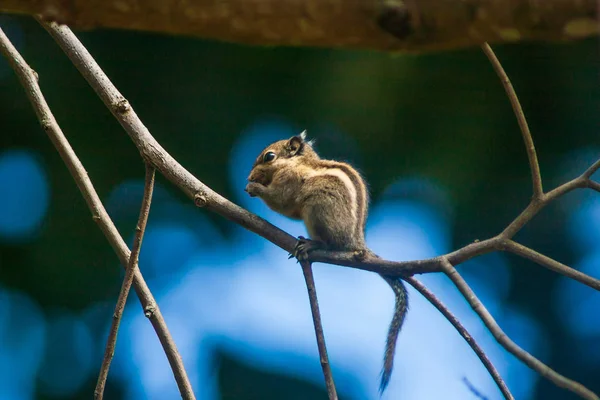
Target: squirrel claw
x,y
305,246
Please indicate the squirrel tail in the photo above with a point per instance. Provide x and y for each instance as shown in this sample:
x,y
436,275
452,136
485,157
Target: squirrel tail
x,y
400,310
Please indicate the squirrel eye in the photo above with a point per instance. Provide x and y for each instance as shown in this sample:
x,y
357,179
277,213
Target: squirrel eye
x,y
270,156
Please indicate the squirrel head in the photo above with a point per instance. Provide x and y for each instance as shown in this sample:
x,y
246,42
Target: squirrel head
x,y
282,154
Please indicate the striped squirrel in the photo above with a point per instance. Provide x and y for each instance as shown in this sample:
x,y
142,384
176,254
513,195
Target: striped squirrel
x,y
332,199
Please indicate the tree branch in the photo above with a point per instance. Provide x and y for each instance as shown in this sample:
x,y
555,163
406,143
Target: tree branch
x,y
314,308
534,166
441,307
132,266
474,390
413,25
507,343
593,185
591,170
29,80
551,264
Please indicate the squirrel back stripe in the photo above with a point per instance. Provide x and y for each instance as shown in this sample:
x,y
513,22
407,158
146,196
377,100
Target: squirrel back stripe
x,y
332,199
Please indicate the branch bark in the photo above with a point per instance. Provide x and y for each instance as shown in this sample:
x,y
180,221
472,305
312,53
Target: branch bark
x,y
29,80
534,166
392,25
462,331
316,314
132,266
507,343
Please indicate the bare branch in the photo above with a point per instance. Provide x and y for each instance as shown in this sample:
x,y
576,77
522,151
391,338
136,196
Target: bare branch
x,y
536,177
314,308
29,80
535,206
473,389
132,266
441,307
418,25
507,343
593,185
551,264
590,171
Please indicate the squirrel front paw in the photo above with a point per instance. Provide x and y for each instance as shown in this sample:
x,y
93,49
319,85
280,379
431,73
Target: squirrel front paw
x,y
254,189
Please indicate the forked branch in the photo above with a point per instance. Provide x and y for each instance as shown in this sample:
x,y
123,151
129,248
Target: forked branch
x,y
441,307
132,265
29,80
507,343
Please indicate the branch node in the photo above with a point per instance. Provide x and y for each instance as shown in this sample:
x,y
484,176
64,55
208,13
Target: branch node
x,y
46,124
200,199
121,106
149,311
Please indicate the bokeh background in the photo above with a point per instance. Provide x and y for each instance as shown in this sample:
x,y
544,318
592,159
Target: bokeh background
x,y
433,134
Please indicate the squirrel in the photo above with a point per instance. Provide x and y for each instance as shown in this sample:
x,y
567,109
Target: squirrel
x,y
332,199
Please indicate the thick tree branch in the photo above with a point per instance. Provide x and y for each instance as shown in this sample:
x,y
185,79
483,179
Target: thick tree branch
x,y
132,266
397,25
441,307
507,343
29,80
316,315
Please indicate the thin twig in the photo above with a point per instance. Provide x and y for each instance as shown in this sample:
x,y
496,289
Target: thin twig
x,y
473,389
441,307
132,266
507,343
536,177
593,185
316,314
29,80
551,264
590,171
535,206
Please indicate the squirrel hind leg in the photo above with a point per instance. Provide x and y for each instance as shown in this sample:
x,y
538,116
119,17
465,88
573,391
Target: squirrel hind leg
x,y
305,246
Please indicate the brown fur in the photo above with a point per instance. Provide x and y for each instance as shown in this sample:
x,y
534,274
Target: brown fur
x,y
332,199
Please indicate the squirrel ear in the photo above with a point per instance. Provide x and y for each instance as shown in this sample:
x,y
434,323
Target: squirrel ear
x,y
295,145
